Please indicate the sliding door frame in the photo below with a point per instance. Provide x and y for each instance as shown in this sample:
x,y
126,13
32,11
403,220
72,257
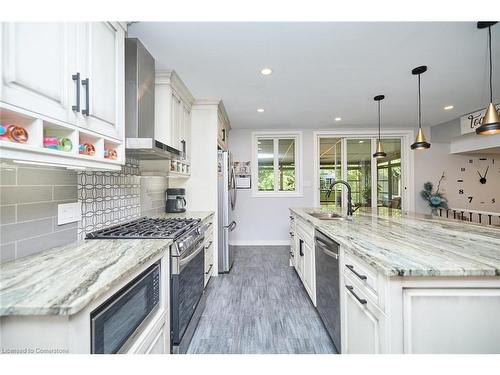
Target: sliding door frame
x,y
407,162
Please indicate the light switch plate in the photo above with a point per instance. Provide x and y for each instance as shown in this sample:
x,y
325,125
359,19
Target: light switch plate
x,y
68,213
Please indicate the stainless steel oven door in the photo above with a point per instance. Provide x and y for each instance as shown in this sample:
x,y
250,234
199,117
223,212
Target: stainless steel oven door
x,y
186,293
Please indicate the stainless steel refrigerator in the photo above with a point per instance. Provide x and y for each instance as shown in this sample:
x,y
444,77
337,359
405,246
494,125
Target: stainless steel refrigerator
x,y
226,205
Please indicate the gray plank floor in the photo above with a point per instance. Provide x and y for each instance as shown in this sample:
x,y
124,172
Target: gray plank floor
x,y
262,307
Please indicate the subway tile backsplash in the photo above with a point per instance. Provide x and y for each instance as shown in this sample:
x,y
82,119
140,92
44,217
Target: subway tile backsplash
x,y
29,197
28,209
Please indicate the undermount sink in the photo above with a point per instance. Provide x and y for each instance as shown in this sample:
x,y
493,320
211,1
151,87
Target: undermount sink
x,y
327,216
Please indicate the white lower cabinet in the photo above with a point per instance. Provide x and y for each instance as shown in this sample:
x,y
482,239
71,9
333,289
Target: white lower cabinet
x,y
363,326
308,271
159,345
302,246
449,320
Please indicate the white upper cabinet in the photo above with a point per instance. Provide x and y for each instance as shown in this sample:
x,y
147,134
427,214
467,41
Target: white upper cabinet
x,y
64,82
173,103
36,67
101,65
223,128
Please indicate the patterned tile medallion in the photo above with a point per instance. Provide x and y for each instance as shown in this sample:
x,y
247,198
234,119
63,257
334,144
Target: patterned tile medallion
x,y
109,198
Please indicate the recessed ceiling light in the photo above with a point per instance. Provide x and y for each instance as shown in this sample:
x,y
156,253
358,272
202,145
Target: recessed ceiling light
x,y
361,141
338,118
448,107
260,110
266,71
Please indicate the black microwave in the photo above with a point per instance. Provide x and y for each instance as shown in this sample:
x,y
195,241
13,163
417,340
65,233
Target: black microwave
x,y
125,314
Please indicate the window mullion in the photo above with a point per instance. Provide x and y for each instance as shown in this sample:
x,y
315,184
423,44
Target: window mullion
x,y
276,163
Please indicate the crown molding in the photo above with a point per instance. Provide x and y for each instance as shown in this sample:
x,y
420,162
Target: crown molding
x,y
171,78
214,103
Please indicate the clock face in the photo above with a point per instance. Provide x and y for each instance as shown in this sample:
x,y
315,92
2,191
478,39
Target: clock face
x,y
478,184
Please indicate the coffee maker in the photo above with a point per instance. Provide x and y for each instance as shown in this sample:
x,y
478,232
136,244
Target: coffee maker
x,y
175,200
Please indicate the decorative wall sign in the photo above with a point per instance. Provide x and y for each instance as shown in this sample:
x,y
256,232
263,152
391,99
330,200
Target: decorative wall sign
x,y
243,172
471,121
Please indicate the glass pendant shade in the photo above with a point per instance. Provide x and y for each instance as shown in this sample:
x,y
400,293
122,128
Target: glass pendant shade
x,y
491,121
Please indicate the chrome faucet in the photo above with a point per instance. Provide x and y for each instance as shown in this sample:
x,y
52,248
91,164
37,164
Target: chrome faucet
x,y
349,195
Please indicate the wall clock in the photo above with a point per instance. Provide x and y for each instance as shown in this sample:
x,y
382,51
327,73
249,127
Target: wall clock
x,y
478,184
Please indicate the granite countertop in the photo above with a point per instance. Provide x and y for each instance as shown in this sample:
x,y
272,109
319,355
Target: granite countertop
x,y
64,280
415,245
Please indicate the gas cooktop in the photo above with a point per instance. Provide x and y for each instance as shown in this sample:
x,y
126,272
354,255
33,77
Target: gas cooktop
x,y
146,228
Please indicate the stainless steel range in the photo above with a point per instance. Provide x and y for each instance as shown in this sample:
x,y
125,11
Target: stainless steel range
x,y
187,260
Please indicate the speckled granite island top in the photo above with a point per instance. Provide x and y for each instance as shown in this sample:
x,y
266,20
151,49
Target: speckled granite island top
x,y
64,280
415,245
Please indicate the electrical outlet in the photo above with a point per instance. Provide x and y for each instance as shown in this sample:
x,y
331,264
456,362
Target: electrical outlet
x,y
68,213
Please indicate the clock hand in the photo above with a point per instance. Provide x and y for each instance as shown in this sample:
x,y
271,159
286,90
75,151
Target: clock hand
x,y
479,174
485,173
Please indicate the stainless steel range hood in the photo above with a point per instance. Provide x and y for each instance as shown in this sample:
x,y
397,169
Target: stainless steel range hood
x,y
141,142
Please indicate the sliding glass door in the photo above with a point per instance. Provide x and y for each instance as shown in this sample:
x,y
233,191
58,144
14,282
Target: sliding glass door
x,y
375,183
389,175
359,171
330,169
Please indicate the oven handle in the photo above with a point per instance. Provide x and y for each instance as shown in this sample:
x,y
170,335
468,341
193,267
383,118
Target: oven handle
x,y
191,256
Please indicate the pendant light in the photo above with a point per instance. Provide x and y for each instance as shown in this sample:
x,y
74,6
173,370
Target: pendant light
x,y
491,120
420,142
380,150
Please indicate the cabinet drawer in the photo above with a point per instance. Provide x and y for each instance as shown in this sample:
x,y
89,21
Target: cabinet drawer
x,y
361,272
306,230
352,285
209,223
209,254
306,234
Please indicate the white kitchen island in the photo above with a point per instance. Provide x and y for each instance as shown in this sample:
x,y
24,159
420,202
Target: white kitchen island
x,y
409,284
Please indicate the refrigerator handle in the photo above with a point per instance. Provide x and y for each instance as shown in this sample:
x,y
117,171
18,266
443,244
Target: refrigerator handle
x,y
231,226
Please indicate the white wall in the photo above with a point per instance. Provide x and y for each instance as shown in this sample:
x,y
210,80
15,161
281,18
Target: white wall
x,y
429,166
264,220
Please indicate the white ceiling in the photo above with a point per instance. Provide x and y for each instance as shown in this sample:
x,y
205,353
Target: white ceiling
x,y
325,70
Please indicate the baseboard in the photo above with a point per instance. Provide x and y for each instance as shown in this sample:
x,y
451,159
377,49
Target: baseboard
x,y
260,243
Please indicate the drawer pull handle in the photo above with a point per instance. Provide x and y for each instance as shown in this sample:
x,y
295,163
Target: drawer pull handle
x,y
351,267
301,250
86,111
350,288
291,234
208,246
76,78
209,269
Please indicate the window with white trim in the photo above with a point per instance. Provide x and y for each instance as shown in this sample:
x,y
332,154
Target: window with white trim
x,y
276,164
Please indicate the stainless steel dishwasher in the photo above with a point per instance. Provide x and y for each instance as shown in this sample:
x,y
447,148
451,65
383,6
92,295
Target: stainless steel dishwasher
x,y
328,285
